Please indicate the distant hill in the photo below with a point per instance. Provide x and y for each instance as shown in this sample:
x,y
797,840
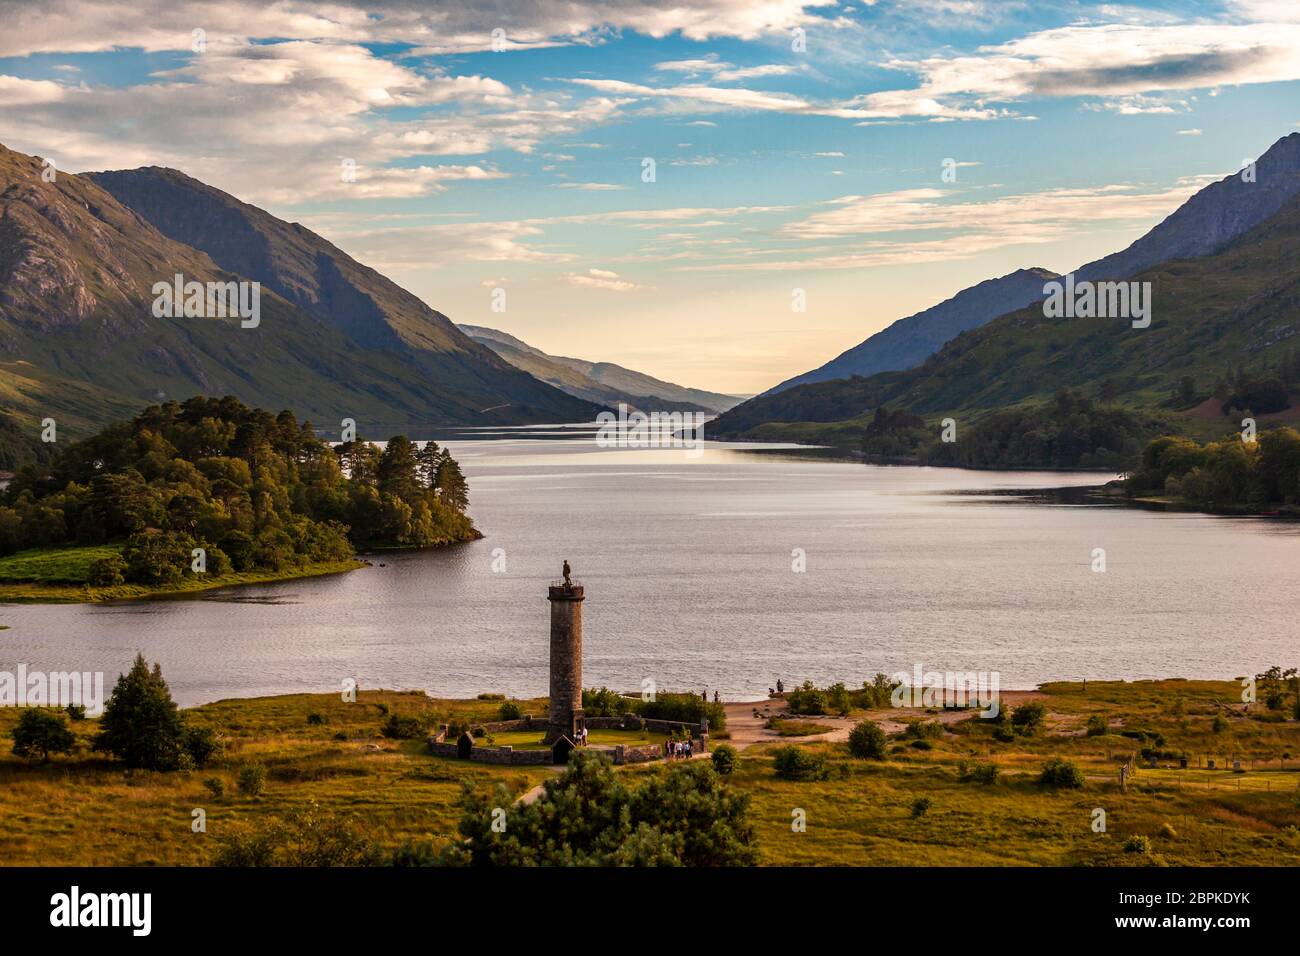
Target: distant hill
x,y
1205,223
601,382
910,341
1217,320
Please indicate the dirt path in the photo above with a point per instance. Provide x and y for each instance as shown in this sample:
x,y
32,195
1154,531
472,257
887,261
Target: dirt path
x,y
746,729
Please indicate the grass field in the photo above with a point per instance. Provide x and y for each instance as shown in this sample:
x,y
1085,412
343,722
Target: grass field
x,y
86,809
58,575
531,740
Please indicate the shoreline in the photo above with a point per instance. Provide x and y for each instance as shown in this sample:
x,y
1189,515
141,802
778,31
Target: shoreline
x,y
36,592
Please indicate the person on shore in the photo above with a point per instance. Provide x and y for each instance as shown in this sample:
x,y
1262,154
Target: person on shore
x,y
780,688
716,698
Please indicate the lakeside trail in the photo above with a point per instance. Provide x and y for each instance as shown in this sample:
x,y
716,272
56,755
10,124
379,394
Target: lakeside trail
x,y
746,729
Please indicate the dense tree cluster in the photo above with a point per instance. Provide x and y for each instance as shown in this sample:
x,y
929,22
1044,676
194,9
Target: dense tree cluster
x,y
254,490
1223,475
1071,431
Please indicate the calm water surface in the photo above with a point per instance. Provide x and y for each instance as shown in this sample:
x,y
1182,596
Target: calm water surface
x,y
688,569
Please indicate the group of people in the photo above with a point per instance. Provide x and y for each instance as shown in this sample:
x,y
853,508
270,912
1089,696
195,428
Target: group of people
x,y
678,749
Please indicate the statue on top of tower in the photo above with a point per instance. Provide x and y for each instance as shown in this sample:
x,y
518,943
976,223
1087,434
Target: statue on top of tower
x,y
567,582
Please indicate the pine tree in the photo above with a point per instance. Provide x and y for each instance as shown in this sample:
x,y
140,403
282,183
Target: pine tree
x,y
141,723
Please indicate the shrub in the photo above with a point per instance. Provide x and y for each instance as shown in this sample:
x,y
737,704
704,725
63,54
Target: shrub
x,y
1137,844
1004,733
868,741
1168,832
215,787
798,763
920,805
306,837
40,733
686,708
200,744
1098,726
922,745
837,700
509,711
1219,724
251,780
107,572
405,728
977,771
1029,718
923,729
724,759
603,703
76,712
314,719
1060,773
806,699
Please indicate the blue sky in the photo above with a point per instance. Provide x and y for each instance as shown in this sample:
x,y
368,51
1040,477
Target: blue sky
x,y
779,165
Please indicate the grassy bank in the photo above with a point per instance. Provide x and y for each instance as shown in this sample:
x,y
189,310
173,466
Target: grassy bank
x,y
316,748
59,575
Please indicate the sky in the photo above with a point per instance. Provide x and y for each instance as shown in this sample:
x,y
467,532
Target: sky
x,y
722,194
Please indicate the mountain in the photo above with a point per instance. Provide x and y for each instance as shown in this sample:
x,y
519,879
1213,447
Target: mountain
x,y
909,341
79,341
1205,223
1212,218
601,382
1217,321
369,309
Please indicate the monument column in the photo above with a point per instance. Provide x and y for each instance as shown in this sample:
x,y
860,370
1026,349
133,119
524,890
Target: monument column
x,y
565,715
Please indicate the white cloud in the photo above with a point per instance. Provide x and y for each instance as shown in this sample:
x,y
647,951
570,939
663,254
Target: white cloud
x,y
588,187
1189,132
599,279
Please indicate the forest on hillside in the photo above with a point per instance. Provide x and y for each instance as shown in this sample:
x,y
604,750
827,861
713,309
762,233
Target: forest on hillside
x,y
254,490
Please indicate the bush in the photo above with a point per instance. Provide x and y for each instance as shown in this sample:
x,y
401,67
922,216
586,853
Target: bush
x,y
798,763
1219,724
920,805
40,733
868,741
922,745
1029,718
141,723
76,712
923,729
1060,773
314,719
806,700
405,728
977,771
306,837
1098,726
107,572
509,711
1137,844
686,708
724,759
215,787
251,780
200,744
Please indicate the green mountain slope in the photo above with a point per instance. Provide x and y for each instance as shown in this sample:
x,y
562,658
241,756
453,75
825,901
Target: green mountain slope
x,y
602,382
1217,320
77,269
310,272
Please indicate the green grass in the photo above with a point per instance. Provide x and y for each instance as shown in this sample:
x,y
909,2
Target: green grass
x,y
34,589
531,740
799,728
88,810
55,565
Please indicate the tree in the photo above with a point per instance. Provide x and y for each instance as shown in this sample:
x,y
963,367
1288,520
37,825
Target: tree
x,y
453,489
681,815
1029,718
868,741
141,723
40,733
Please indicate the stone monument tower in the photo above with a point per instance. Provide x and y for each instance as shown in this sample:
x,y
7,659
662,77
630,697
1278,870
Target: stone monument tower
x,y
565,717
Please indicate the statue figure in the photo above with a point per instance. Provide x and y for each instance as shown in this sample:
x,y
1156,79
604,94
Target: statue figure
x,y
567,582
